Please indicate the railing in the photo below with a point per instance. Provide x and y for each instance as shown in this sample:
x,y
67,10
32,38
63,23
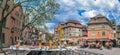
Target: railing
x,y
46,52
80,52
84,52
15,52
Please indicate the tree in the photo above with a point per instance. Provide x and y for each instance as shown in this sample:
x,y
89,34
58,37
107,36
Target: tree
x,y
39,15
39,12
49,37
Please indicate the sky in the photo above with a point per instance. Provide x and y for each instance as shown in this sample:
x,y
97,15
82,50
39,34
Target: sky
x,y
83,10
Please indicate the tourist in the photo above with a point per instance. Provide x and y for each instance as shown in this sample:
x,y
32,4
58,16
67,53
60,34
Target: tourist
x,y
89,44
98,45
108,45
101,46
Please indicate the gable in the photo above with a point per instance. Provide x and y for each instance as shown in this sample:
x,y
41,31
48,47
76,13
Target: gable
x,y
98,19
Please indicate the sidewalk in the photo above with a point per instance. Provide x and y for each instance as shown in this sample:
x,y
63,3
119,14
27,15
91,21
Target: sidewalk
x,y
113,51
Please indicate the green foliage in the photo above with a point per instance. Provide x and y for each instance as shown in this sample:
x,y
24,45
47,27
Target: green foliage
x,y
39,11
42,11
49,37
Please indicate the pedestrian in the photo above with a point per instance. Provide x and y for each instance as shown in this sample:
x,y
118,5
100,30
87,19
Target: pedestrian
x,y
97,45
32,43
101,46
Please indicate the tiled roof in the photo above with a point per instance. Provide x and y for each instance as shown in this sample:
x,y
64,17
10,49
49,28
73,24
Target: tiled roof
x,y
73,21
72,25
99,15
98,19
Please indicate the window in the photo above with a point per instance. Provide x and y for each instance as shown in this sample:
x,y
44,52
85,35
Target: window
x,y
103,25
13,19
12,30
69,34
79,35
15,38
69,28
16,21
92,28
93,34
62,24
103,33
98,33
79,29
17,14
113,28
15,29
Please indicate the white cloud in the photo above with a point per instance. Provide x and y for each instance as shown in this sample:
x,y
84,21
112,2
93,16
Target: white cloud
x,y
102,4
49,25
69,9
51,31
68,2
90,13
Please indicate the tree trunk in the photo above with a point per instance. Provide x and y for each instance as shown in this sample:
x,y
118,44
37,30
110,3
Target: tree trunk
x,y
0,36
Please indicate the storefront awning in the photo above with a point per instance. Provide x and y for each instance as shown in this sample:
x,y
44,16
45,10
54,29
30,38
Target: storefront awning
x,y
103,39
99,39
